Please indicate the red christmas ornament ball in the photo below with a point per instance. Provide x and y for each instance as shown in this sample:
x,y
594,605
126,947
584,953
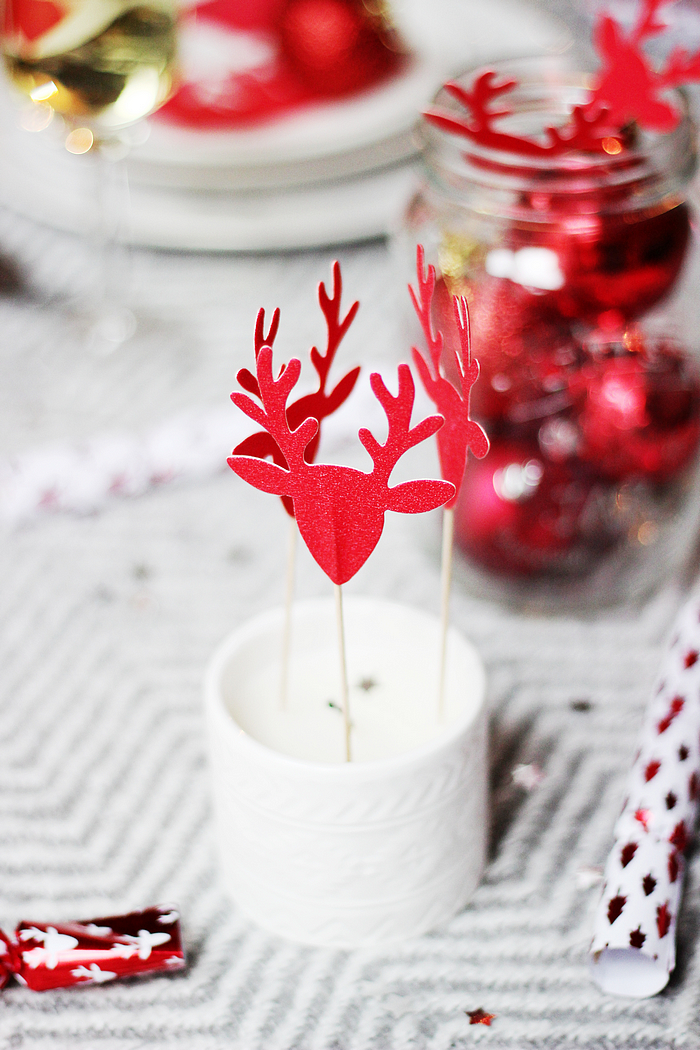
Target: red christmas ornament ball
x,y
641,413
519,514
602,263
334,45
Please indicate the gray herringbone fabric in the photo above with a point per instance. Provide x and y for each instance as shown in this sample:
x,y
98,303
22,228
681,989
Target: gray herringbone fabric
x,y
106,624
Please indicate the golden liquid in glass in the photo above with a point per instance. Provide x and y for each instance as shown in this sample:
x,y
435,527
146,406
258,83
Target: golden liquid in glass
x,y
111,80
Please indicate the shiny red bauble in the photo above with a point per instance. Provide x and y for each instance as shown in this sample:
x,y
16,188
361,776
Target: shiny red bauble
x,y
334,46
519,514
640,413
605,264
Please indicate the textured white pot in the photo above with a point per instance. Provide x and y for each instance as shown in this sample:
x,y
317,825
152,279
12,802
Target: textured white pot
x,y
350,854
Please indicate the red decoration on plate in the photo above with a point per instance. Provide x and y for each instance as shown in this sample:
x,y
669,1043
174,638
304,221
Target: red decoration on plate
x,y
460,433
318,405
30,19
282,55
339,510
59,955
335,46
480,1017
648,884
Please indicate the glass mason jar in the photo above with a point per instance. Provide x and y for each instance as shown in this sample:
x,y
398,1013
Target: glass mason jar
x,y
582,278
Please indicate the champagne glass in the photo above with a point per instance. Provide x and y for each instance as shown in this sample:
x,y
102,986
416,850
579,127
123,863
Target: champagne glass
x,y
101,65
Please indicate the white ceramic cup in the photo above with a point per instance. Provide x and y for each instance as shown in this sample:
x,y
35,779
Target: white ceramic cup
x,y
361,853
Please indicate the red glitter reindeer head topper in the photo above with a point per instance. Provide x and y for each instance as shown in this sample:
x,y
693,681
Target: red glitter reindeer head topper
x,y
339,510
627,89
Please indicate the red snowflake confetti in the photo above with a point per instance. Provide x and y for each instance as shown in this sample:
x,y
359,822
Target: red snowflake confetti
x,y
637,938
651,770
615,908
627,853
663,919
480,1017
648,884
690,660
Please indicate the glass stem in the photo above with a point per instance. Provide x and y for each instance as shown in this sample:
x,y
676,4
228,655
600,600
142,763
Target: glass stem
x,y
114,322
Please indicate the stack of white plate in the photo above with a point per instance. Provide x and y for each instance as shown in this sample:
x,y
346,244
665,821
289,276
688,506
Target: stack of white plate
x,y
326,174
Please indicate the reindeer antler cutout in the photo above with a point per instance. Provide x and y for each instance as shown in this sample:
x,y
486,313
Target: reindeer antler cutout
x,y
627,89
588,127
317,405
460,433
627,82
339,510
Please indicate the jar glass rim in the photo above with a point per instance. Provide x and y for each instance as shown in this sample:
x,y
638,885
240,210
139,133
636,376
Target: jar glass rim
x,y
547,89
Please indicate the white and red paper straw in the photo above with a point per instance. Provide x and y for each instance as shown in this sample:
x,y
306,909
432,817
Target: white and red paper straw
x,y
633,950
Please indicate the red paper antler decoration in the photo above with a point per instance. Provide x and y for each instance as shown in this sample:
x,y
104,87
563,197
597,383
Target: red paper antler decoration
x,y
339,510
627,83
588,126
459,433
319,404
627,88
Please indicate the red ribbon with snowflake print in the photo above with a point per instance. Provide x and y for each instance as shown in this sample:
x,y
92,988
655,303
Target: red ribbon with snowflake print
x,y
43,955
633,950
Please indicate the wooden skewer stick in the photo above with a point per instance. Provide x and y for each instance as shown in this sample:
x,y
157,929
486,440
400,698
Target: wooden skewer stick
x,y
448,520
344,691
289,601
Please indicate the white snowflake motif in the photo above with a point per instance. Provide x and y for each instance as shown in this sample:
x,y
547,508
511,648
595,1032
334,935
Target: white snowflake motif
x,y
94,974
169,918
98,931
145,942
54,942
